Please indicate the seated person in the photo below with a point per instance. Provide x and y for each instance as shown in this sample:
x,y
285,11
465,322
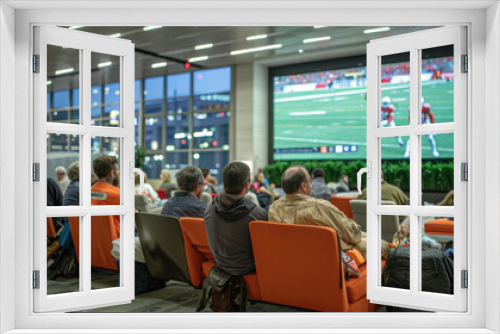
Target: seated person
x,y
388,192
343,184
448,200
103,192
298,207
148,191
209,187
319,189
227,218
186,202
167,185
264,195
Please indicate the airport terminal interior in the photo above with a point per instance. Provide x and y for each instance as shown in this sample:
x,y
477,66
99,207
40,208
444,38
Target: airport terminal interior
x,y
198,92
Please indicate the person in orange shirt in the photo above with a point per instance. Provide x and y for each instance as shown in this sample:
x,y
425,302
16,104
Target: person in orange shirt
x,y
103,192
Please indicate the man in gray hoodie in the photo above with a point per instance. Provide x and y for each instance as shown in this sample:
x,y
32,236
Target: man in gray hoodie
x,y
227,218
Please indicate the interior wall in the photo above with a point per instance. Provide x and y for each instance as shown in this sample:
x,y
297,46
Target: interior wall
x,y
492,163
7,172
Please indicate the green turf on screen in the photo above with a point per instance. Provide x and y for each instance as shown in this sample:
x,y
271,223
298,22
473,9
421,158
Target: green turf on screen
x,y
338,116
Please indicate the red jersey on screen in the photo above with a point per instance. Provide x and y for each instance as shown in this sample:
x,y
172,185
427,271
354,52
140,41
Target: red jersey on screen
x,y
103,193
387,113
427,115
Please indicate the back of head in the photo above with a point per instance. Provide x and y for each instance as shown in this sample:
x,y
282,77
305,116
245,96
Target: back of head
x,y
292,178
235,177
318,172
61,170
188,178
205,171
165,175
102,166
74,171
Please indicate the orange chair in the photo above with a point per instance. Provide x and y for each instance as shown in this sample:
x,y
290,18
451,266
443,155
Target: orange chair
x,y
299,265
342,203
441,226
199,256
103,232
51,231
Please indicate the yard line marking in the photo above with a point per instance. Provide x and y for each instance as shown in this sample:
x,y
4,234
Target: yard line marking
x,y
308,113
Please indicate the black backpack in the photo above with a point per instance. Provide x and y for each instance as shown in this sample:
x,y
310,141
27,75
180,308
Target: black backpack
x,y
228,292
437,270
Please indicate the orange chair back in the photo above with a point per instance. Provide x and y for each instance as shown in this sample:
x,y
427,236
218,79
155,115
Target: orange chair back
x,y
103,232
342,203
298,265
196,246
443,226
51,231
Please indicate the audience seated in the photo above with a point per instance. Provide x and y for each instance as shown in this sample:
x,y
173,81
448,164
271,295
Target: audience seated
x,y
148,191
72,195
343,184
265,195
227,218
389,192
186,202
299,208
103,192
62,178
319,188
209,187
167,185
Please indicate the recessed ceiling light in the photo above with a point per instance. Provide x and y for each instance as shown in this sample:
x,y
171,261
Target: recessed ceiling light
x,y
49,82
260,48
108,63
252,38
317,39
196,59
75,27
301,51
148,28
203,46
319,27
115,35
158,65
64,71
381,29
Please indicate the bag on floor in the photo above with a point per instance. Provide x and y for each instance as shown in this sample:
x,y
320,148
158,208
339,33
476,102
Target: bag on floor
x,y
228,292
437,270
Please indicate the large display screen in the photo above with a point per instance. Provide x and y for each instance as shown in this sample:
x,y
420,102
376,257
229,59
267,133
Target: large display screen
x,y
322,115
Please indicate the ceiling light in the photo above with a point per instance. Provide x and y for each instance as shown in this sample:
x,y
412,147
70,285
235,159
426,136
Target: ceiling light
x,y
319,27
317,39
158,65
251,38
196,59
66,70
108,63
203,47
75,27
371,31
115,35
260,48
301,51
148,28
49,82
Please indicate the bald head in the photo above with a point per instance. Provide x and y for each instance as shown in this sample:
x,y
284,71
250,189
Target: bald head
x,y
296,180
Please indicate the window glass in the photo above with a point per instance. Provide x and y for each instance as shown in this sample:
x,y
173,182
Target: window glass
x,y
153,107
112,93
211,130
216,161
137,90
178,85
61,99
176,160
178,105
153,164
95,98
153,134
211,101
153,88
177,132
212,81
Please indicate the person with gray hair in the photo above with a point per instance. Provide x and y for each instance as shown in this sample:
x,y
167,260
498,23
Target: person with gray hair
x,y
72,195
186,202
63,181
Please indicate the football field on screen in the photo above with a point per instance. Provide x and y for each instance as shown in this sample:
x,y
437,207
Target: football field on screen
x,y
337,118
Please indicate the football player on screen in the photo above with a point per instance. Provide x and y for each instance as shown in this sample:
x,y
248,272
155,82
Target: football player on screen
x,y
427,118
387,115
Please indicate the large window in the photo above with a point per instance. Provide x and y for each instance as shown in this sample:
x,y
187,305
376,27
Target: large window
x,y
180,119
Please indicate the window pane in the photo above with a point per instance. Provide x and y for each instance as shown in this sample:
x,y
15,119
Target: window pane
x,y
211,130
61,99
153,107
176,160
216,161
112,93
177,132
96,96
153,164
211,101
106,171
106,73
105,251
437,85
153,88
178,105
212,81
178,85
137,123
137,90
387,225
396,174
153,134
113,113
395,90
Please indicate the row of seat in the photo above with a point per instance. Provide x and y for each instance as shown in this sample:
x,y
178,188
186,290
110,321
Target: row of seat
x,y
296,265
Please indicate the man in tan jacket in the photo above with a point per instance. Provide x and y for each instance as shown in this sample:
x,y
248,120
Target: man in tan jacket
x,y
298,207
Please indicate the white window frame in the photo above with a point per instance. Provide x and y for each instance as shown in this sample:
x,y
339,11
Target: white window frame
x,y
483,294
